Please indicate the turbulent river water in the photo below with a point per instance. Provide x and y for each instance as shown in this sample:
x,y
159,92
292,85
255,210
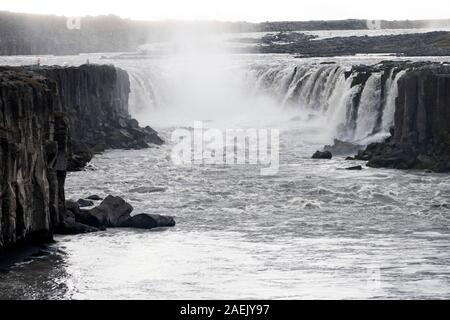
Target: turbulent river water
x,y
310,231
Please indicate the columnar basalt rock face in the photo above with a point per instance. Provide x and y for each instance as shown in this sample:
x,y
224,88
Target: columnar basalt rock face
x,y
421,133
33,144
95,99
52,119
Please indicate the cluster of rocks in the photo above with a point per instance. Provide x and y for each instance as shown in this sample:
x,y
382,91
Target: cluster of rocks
x,y
327,155
338,148
113,212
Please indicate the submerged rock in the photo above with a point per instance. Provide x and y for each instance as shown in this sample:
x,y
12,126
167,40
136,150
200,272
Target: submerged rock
x,y
340,147
149,221
322,155
148,189
355,168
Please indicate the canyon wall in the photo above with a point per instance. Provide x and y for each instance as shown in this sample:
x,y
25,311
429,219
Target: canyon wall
x,y
52,120
95,100
33,147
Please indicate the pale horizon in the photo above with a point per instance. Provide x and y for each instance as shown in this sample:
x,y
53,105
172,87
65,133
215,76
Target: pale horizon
x,y
234,10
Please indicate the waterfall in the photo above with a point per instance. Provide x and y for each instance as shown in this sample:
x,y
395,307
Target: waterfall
x,y
145,90
354,113
356,104
369,108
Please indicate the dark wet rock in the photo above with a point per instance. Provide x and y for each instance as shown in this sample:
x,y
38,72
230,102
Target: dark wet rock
x,y
85,203
80,156
94,198
441,206
87,218
355,168
149,221
148,189
152,136
350,159
340,147
322,155
70,225
112,212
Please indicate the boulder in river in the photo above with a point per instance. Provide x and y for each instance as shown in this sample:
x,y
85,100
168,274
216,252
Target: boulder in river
x,y
355,168
112,212
322,155
149,221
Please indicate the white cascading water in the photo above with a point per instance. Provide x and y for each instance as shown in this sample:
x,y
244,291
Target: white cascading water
x,y
369,108
389,111
213,86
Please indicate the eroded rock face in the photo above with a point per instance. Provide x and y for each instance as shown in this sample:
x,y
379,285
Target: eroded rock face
x,y
112,212
322,155
33,148
95,100
421,134
52,119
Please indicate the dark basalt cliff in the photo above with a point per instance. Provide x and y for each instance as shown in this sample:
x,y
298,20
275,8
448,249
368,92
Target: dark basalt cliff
x,y
95,100
33,148
421,133
53,119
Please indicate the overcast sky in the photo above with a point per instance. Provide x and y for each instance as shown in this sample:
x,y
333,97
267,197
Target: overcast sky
x,y
238,10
